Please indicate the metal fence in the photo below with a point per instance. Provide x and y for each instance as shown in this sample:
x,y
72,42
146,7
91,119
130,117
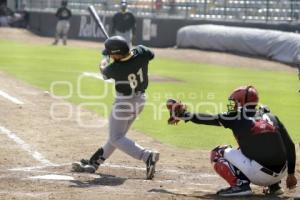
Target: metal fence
x,y
269,11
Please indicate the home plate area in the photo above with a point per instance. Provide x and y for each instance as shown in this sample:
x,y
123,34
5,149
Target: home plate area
x,y
57,182
111,180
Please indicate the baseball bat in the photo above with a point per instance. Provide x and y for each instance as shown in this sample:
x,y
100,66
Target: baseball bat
x,y
95,16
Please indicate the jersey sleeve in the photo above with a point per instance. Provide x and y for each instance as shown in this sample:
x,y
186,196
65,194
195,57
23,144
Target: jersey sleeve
x,y
145,51
133,18
202,118
58,12
289,146
70,13
108,72
227,119
133,22
114,22
224,119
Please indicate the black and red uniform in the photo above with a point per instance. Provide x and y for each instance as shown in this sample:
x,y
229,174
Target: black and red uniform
x,y
261,136
266,151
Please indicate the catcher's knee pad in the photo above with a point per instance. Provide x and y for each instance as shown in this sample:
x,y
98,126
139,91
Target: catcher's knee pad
x,y
218,153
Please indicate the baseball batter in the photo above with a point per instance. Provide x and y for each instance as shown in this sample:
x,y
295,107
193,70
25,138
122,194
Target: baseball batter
x,y
266,151
129,69
63,15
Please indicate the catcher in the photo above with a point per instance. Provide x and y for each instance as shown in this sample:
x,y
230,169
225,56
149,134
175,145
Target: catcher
x,y
265,154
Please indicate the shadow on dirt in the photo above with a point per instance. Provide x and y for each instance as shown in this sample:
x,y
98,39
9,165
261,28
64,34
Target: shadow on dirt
x,y
204,195
253,197
209,196
103,180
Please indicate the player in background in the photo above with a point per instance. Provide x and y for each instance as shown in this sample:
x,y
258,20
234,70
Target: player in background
x,y
6,14
129,69
63,15
124,23
22,14
265,154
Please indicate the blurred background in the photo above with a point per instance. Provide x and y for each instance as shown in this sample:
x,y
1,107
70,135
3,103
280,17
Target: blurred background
x,y
269,11
158,21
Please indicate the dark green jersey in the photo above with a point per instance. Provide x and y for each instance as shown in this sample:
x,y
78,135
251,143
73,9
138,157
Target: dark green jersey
x,y
131,75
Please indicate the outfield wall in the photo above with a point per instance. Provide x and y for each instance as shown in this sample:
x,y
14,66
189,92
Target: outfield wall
x,y
154,32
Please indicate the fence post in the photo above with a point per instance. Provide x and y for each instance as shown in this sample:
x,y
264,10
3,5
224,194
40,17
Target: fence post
x,y
186,9
205,9
152,10
292,9
245,10
268,9
225,9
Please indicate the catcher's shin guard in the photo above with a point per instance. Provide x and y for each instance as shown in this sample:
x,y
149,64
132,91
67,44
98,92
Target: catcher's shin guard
x,y
225,169
222,167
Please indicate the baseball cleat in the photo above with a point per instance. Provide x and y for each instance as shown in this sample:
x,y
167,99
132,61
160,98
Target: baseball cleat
x,y
274,189
243,190
150,165
83,166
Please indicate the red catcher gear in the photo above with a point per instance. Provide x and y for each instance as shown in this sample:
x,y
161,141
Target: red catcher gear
x,y
176,109
218,153
222,166
262,126
243,96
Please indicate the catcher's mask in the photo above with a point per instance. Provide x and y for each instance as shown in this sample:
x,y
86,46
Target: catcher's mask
x,y
115,45
244,96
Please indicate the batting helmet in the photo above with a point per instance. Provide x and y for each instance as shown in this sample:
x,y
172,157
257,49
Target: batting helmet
x,y
243,96
115,45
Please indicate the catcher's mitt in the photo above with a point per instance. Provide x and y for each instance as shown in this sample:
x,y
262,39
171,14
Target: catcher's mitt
x,y
177,110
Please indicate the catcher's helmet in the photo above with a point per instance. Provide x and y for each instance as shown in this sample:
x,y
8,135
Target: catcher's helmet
x,y
115,45
243,96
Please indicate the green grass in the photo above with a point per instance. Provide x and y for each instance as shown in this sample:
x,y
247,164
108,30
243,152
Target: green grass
x,y
40,65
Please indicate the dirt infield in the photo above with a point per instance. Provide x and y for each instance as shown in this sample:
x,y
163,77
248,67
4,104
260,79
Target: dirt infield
x,y
37,148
